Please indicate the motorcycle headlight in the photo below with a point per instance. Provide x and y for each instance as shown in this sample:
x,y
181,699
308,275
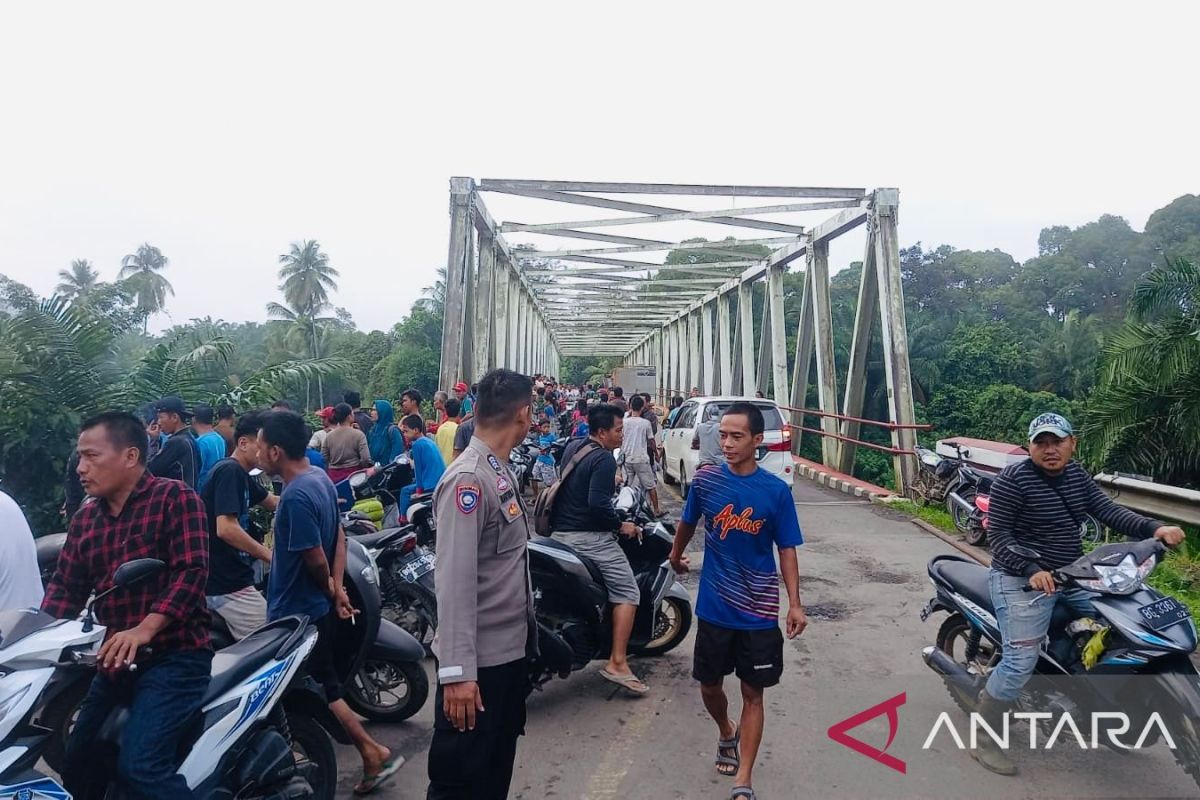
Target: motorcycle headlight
x,y
1123,578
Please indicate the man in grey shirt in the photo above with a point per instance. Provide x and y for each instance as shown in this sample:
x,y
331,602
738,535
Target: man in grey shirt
x,y
709,433
462,436
486,626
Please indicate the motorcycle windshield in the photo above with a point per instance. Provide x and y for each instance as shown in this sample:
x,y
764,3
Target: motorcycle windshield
x,y
17,624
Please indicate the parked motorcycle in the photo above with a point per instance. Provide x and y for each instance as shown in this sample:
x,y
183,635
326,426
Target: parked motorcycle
x,y
383,483
571,603
970,504
1150,636
261,731
936,476
405,580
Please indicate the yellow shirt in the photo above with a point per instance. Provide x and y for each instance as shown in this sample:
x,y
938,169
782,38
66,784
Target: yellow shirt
x,y
445,439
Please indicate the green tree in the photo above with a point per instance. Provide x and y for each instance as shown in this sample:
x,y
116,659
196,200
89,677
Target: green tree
x,y
1174,230
79,281
433,298
1145,415
307,278
142,274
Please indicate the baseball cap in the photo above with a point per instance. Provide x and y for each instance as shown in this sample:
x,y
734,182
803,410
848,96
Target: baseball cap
x,y
203,413
173,403
326,412
460,387
1050,423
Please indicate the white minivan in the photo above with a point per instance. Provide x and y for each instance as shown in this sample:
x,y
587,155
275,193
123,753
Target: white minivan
x,y
681,444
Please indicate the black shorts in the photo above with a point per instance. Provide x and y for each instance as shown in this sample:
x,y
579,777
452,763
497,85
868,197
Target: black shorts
x,y
756,656
320,664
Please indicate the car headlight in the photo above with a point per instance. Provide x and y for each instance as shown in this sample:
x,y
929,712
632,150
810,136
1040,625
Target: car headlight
x,y
1123,578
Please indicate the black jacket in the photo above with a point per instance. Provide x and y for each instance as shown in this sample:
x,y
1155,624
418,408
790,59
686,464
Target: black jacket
x,y
585,500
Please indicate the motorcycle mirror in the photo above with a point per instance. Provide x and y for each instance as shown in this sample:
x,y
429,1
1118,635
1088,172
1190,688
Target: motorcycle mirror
x,y
136,571
1025,552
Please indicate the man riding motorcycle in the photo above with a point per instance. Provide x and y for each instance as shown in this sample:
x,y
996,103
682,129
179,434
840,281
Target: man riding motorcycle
x,y
1039,504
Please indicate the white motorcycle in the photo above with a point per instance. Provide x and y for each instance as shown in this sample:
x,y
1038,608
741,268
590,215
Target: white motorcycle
x,y
262,731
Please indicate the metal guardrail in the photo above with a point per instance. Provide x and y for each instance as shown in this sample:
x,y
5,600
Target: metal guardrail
x,y
1153,499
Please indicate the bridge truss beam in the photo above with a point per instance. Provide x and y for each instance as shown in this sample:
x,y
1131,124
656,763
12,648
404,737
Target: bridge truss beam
x,y
714,325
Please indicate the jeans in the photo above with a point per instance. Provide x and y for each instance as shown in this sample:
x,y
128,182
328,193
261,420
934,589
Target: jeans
x,y
1023,626
162,698
406,495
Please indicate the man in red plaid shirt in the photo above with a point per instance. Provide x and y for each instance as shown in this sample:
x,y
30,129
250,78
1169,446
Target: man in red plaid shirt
x,y
161,623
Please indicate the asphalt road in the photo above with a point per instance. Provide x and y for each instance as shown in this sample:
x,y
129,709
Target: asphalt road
x,y
863,580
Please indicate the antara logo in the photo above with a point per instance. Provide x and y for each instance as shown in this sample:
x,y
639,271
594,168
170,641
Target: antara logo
x,y
838,732
728,521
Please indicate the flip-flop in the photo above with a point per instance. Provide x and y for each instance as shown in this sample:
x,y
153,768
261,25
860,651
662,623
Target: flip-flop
x,y
744,792
734,761
370,783
625,681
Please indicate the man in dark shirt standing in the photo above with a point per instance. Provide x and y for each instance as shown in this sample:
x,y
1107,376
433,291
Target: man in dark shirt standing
x,y
161,623
232,549
307,569
1040,504
584,518
362,416
179,458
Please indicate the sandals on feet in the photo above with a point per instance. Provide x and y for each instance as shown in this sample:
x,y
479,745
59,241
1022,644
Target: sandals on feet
x,y
628,682
744,792
734,762
370,783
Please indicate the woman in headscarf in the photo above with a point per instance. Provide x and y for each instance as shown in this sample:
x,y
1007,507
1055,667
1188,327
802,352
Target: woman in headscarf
x,y
385,440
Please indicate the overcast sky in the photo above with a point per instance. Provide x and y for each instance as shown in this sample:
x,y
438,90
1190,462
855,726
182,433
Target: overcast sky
x,y
221,132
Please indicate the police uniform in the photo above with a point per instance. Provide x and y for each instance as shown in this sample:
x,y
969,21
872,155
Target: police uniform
x,y
485,623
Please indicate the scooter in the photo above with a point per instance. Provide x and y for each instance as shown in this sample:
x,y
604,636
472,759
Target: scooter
x,y
405,580
383,483
259,734
1144,668
571,603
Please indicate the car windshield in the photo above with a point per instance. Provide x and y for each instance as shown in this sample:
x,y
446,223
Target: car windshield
x,y
17,624
772,419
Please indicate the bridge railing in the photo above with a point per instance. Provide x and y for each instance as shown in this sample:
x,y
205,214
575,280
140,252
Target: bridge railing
x,y
1154,499
888,426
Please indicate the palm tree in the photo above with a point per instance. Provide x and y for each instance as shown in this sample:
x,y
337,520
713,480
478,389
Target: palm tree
x,y
310,329
77,282
1145,414
140,271
307,277
433,298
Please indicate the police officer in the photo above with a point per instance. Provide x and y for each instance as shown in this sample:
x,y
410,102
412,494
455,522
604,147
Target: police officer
x,y
486,628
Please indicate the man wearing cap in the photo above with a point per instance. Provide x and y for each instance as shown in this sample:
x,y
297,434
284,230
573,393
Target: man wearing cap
x,y
464,397
179,457
1040,504
318,438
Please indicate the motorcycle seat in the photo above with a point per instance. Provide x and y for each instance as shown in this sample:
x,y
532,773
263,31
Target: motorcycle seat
x,y
372,540
971,581
241,660
592,569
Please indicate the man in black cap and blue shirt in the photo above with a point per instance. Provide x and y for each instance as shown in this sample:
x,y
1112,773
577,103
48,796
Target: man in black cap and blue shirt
x,y
180,457
1040,504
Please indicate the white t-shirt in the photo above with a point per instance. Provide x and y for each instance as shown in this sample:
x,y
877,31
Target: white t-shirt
x,y
636,434
20,581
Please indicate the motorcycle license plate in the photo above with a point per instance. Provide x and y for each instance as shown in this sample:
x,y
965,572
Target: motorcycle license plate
x,y
1164,613
418,567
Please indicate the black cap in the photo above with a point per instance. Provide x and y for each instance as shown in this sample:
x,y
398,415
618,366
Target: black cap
x,y
173,403
203,413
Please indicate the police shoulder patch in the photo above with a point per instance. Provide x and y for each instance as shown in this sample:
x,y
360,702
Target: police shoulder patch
x,y
495,462
467,499
502,485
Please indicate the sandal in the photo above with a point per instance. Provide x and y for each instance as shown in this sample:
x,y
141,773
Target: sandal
x,y
628,682
744,792
733,762
370,783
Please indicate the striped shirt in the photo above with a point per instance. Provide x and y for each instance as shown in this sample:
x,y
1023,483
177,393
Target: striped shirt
x,y
1045,513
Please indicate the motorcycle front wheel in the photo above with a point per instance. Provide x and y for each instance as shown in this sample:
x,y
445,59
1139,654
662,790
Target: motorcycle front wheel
x,y
671,625
311,744
387,691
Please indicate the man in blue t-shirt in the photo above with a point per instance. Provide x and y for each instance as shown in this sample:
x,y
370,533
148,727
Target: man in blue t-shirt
x,y
307,568
747,512
428,464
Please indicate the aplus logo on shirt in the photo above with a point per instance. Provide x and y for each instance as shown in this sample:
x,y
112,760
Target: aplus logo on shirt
x,y
726,520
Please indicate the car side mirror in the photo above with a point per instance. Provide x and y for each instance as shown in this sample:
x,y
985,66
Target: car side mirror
x,y
136,571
